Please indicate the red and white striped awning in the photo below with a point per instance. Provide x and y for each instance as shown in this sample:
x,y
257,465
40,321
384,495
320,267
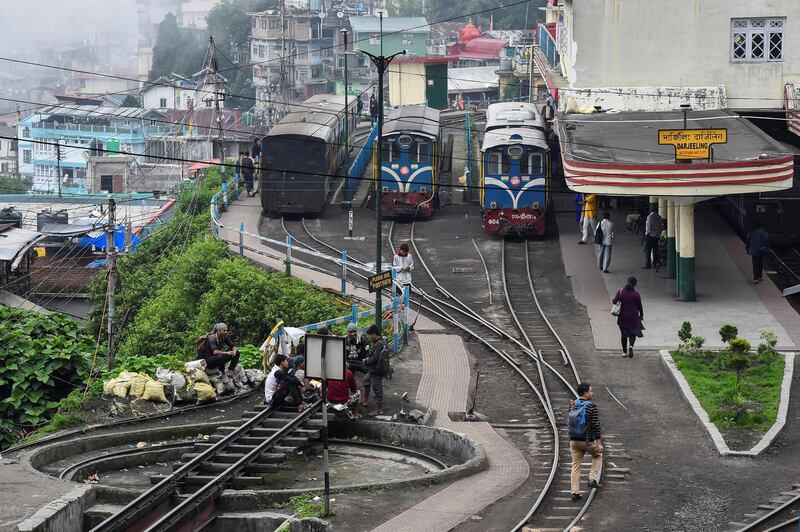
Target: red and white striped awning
x,y
792,93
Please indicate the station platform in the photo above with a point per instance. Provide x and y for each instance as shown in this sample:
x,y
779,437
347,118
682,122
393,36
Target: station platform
x,y
725,292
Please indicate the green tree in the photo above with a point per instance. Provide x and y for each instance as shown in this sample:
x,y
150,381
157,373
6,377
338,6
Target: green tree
x,y
131,101
12,185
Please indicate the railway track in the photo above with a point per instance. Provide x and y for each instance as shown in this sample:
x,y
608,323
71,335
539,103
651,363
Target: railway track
x,y
538,355
781,514
234,456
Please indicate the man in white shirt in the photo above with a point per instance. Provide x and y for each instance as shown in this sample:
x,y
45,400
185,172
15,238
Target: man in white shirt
x,y
604,254
403,264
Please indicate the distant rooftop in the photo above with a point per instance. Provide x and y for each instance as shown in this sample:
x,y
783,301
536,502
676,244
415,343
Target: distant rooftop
x,y
390,24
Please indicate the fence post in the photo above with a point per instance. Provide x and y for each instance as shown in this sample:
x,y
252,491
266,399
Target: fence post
x,y
355,313
241,239
406,303
225,195
344,272
288,255
236,186
395,311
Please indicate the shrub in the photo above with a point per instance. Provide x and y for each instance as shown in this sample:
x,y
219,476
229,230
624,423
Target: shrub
x,y
692,346
739,346
738,362
43,358
766,348
250,357
685,332
728,332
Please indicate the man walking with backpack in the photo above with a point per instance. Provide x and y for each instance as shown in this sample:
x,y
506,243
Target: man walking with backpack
x,y
377,364
584,437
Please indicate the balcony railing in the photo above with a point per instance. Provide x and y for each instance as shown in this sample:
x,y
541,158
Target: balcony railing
x,y
548,46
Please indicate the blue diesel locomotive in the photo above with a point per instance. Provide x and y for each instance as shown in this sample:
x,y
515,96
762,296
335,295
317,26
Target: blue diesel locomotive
x,y
409,173
515,171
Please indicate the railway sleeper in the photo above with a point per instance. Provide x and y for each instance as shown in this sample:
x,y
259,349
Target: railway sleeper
x,y
229,458
201,480
292,441
250,470
259,434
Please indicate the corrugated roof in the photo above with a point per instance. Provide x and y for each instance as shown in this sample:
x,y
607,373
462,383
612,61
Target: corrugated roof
x,y
390,24
412,118
14,241
78,111
483,48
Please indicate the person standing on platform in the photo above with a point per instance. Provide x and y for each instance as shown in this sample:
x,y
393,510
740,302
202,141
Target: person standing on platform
x,y
607,240
652,232
578,201
237,168
631,314
589,218
247,170
757,245
377,364
403,264
584,437
373,109
256,150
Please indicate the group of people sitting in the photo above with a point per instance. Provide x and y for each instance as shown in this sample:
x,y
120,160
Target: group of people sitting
x,y
287,378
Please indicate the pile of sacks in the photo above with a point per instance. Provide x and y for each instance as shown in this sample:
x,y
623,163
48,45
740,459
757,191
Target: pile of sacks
x,y
194,385
137,386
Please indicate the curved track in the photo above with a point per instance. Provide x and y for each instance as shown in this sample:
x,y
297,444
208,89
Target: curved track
x,y
534,360
781,515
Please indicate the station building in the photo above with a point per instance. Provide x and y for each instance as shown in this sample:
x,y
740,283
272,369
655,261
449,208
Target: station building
x,y
625,76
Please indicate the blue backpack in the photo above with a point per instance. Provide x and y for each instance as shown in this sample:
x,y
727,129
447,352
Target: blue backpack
x,y
576,420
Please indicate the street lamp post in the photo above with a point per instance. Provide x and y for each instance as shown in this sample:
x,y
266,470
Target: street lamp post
x,y
381,62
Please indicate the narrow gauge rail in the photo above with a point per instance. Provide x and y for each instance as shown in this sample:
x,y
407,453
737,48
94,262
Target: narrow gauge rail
x,y
782,517
523,359
188,495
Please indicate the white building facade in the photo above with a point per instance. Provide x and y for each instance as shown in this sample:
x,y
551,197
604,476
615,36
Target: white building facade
x,y
750,51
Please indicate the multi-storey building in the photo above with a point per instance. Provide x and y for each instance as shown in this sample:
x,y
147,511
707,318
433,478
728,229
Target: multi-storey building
x,y
8,150
76,129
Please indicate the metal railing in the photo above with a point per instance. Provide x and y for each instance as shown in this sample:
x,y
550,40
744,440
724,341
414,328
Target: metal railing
x,y
548,46
360,163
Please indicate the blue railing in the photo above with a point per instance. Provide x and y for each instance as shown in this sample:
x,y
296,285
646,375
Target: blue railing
x,y
356,171
548,46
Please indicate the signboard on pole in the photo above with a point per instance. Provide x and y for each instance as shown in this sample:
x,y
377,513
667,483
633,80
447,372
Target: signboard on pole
x,y
692,143
333,357
380,281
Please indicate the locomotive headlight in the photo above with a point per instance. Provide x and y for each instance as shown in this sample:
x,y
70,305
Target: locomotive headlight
x,y
493,205
535,205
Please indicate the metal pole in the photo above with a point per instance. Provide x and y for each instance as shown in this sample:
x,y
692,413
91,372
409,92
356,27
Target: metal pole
x,y
325,432
288,255
379,186
346,109
344,272
220,120
58,166
110,262
241,239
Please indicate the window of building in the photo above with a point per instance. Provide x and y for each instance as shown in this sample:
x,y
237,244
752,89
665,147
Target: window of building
x,y
302,51
302,74
153,123
274,24
162,103
26,156
757,39
407,39
209,102
375,38
26,132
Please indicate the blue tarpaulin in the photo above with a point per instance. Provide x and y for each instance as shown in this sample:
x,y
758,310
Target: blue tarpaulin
x,y
99,241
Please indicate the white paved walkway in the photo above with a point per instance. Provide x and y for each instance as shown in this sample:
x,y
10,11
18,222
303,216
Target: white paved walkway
x,y
444,387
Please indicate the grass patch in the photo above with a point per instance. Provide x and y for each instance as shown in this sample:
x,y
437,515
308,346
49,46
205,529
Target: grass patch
x,y
305,506
732,402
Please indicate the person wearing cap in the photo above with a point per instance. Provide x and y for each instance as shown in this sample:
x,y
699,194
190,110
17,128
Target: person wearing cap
x,y
281,383
215,353
355,349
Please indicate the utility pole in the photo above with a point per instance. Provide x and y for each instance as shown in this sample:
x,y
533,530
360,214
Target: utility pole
x,y
343,31
282,85
381,62
217,94
58,166
111,259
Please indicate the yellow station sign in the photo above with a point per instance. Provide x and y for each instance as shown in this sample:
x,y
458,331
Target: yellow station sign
x,y
692,143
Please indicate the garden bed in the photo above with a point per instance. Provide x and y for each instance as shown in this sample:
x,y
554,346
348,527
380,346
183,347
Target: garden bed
x,y
742,418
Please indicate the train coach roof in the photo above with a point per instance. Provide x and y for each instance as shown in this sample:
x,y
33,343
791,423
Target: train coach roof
x,y
513,114
503,137
412,118
315,117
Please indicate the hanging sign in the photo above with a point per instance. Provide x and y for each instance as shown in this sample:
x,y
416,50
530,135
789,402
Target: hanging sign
x,y
380,281
692,143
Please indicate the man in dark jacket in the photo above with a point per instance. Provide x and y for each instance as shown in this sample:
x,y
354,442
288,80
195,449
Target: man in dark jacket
x,y
355,349
214,353
373,109
590,443
256,149
247,169
757,245
281,383
375,363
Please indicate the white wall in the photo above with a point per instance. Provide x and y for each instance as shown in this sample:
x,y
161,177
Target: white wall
x,y
153,95
677,43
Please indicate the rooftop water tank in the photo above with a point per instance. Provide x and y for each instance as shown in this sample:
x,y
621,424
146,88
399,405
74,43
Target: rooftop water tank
x,y
9,215
50,217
